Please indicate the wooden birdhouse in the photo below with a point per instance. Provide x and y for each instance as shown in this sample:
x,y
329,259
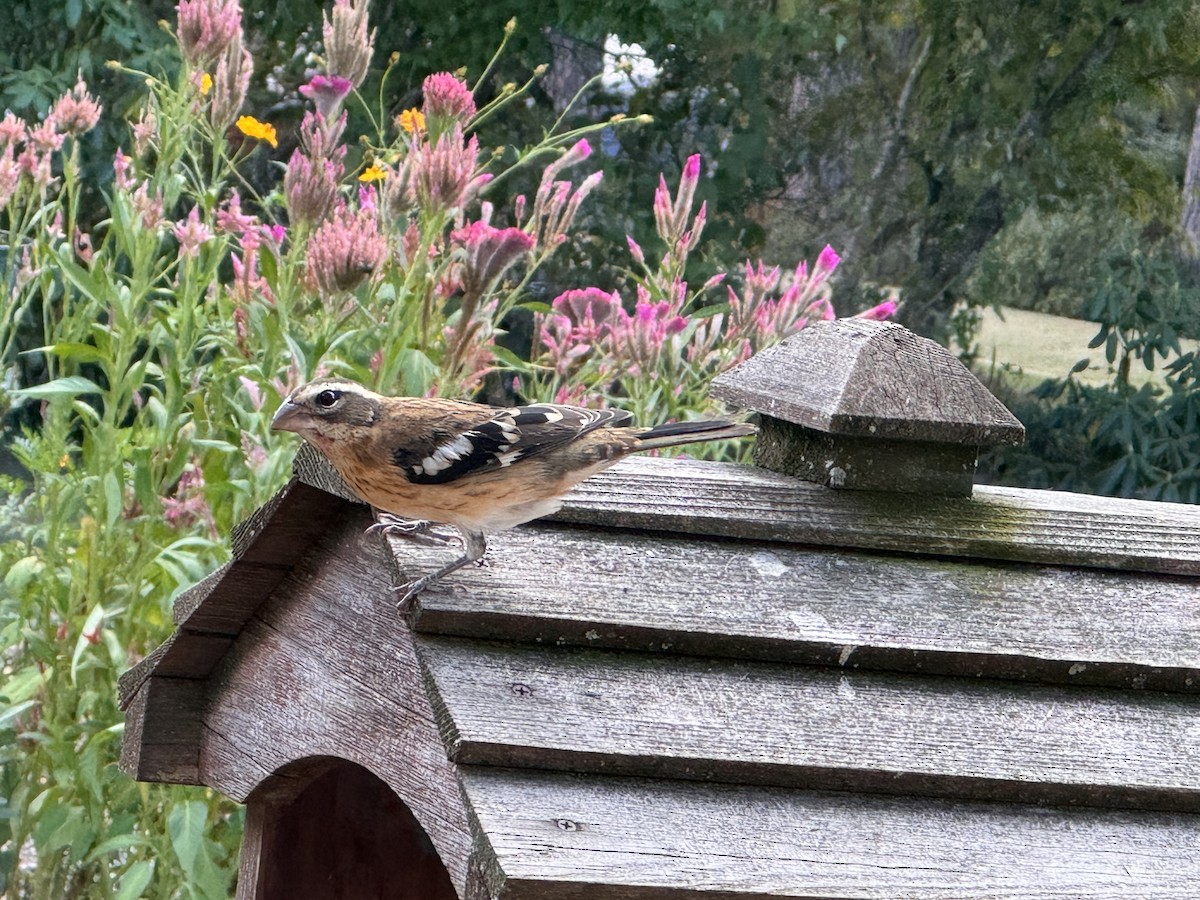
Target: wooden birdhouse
x,y
706,680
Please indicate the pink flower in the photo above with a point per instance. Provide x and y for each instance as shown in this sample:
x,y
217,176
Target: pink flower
x,y
827,261
121,171
76,111
206,29
46,137
671,215
346,249
443,174
310,189
447,99
253,391
256,455
187,504
10,176
12,131
348,42
149,208
635,250
232,220
490,253
882,312
191,233
640,337
327,93
231,81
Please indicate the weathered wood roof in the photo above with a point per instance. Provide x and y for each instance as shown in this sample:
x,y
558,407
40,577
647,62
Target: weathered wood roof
x,y
712,681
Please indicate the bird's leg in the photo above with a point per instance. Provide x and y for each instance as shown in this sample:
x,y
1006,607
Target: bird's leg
x,y
416,530
474,545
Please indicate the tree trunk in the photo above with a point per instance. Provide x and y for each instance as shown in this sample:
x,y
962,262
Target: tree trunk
x,y
1191,201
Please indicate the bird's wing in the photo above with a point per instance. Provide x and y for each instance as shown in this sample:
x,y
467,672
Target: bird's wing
x,y
509,436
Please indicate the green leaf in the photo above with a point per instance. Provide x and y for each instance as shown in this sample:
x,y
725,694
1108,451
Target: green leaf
x,y
91,626
135,880
85,353
10,714
185,825
74,10
116,843
22,573
70,386
113,498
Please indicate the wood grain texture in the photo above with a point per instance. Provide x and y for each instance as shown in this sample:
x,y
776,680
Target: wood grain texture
x,y
326,668
865,464
761,600
561,837
764,723
724,500
168,750
872,379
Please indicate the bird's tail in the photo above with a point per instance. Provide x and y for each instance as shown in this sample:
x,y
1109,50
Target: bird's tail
x,y
674,433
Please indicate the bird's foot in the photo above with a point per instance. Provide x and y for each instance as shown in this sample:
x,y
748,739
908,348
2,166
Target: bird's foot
x,y
416,530
408,592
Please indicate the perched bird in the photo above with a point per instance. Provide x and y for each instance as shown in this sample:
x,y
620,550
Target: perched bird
x,y
479,468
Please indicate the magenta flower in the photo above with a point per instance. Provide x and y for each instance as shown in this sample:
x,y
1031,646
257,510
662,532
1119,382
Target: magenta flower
x,y
327,94
490,252
232,220
310,189
671,214
827,261
589,311
191,233
348,42
76,111
345,250
641,336
443,174
206,29
882,312
447,100
187,504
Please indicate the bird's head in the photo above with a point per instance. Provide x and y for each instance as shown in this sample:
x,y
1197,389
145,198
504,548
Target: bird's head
x,y
328,411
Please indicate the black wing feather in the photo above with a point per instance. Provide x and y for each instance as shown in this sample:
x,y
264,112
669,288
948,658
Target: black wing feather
x,y
510,436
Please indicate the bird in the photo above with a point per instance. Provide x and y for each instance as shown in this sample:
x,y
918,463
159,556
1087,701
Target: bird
x,y
481,469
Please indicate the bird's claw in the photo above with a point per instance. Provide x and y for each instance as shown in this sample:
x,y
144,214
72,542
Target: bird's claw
x,y
408,593
416,530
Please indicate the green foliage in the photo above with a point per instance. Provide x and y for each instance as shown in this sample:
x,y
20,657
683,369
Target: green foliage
x,y
1120,440
146,341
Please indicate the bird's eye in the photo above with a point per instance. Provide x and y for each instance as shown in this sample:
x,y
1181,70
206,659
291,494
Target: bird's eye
x,y
327,399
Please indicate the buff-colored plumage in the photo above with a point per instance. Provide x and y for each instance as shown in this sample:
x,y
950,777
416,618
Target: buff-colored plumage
x,y
479,468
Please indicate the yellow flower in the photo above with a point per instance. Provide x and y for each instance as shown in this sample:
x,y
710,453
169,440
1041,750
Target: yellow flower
x,y
373,172
412,120
64,461
205,84
251,127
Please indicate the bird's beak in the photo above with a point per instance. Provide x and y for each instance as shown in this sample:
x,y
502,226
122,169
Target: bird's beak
x,y
286,418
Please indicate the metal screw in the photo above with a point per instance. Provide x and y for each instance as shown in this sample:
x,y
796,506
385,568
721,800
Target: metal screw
x,y
521,690
568,825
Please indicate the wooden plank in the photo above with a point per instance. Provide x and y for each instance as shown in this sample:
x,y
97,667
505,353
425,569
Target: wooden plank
x,y
725,500
561,837
797,726
326,668
230,600
168,750
759,600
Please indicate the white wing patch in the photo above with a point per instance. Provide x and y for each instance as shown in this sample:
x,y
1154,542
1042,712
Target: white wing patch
x,y
446,455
